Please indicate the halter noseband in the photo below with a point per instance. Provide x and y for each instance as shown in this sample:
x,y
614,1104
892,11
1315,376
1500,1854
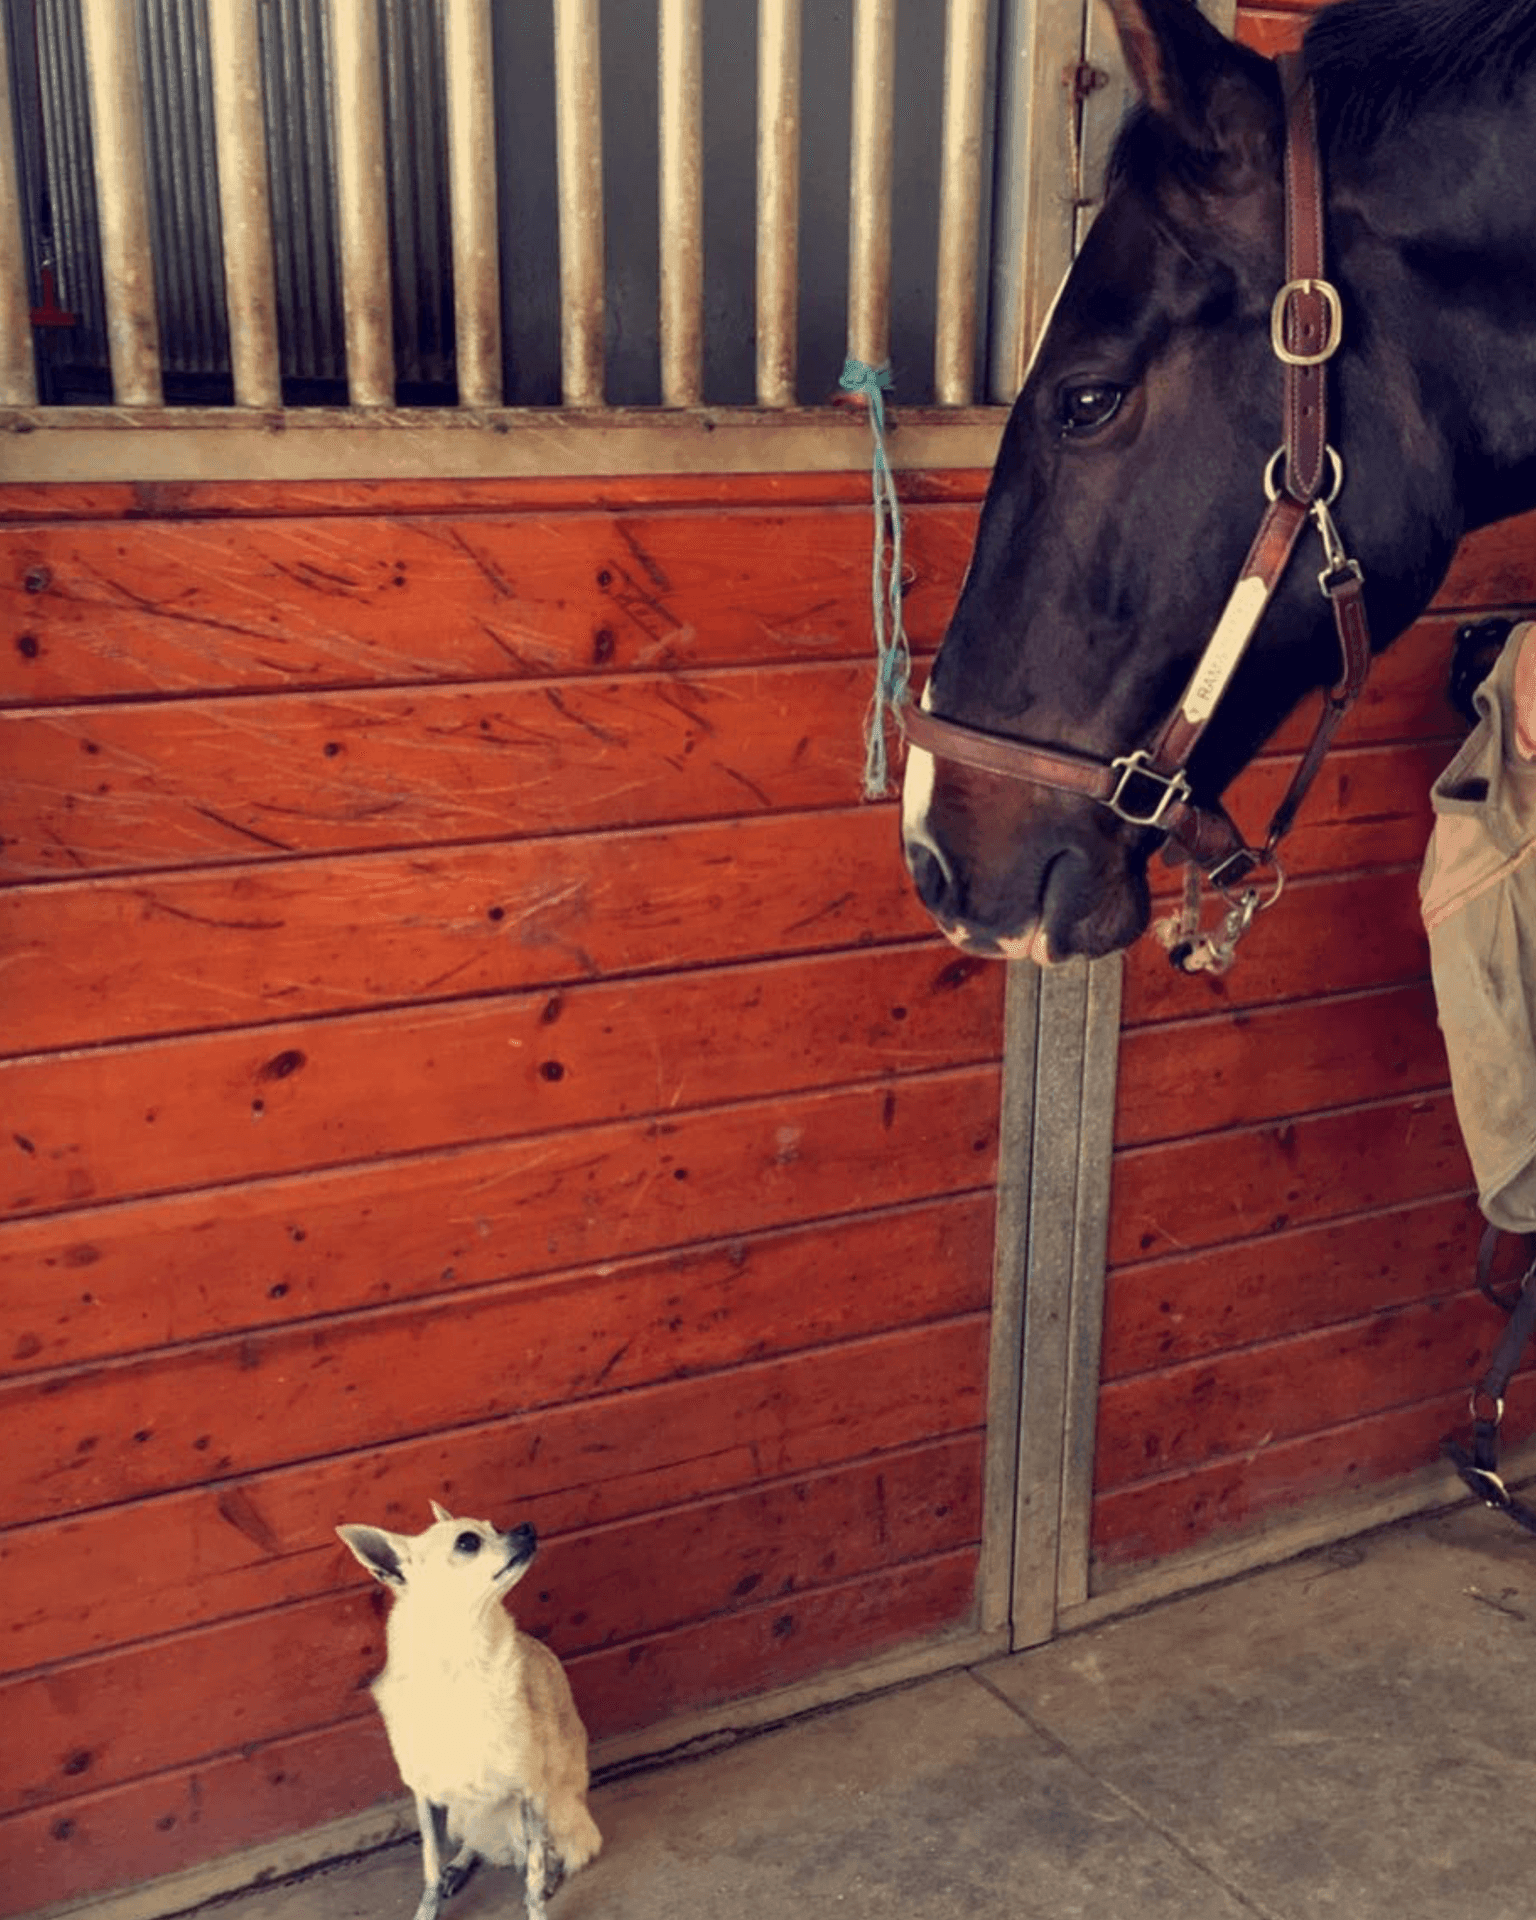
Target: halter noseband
x,y
1149,787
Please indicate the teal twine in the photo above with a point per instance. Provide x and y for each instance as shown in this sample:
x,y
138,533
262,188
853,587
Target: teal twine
x,y
893,658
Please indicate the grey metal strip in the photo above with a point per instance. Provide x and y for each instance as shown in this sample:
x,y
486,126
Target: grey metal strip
x,y
1096,1135
1016,1128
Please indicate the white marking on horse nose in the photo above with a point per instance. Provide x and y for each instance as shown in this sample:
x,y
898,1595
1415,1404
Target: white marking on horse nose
x,y
916,798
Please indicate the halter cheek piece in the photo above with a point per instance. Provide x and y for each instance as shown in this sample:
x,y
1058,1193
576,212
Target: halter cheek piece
x,y
1149,787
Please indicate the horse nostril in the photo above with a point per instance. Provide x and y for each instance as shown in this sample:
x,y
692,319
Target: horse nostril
x,y
933,878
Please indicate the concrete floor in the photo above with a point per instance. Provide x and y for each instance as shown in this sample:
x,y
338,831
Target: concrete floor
x,y
1351,1734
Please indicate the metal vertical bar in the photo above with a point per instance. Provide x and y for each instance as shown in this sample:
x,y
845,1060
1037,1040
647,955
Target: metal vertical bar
x,y
681,97
1085,1334
472,201
122,196
357,105
1052,1205
245,206
579,163
1010,1262
18,372
965,68
778,199
1042,44
869,201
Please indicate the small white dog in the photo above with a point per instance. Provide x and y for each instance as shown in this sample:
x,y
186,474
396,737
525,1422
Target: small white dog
x,y
479,1716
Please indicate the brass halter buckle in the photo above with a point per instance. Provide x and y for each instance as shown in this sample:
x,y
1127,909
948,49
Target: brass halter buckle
x,y
1328,293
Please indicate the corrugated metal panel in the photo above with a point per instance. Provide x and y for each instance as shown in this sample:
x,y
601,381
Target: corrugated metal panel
x,y
184,200
297,61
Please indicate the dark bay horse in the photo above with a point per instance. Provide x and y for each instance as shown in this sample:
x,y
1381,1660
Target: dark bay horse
x,y
1131,471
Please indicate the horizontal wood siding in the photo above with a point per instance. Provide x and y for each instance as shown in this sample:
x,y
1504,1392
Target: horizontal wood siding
x,y
465,1039
1293,1219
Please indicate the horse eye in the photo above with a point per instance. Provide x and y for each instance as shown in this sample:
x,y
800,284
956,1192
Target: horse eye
x,y
1089,406
467,1543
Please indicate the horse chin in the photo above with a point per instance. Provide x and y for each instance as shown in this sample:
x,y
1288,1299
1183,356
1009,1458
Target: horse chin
x,y
1114,918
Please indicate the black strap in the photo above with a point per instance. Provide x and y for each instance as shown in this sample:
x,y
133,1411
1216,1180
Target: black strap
x,y
1480,1468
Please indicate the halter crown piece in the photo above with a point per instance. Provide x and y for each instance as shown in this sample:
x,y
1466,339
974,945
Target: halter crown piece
x,y
1149,787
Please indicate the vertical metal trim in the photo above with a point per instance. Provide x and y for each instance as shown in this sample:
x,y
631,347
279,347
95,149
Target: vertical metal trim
x,y
579,164
965,68
778,199
871,145
122,198
472,201
680,93
245,206
1050,1235
1042,42
18,371
1021,1015
357,101
1100,1072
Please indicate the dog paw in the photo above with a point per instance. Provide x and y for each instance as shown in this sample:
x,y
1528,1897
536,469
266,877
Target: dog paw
x,y
431,1901
458,1873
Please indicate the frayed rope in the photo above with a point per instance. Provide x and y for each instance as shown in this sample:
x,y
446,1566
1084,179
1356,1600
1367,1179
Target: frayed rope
x,y
893,658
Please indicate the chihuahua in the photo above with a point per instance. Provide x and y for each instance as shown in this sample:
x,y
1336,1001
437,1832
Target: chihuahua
x,y
480,1716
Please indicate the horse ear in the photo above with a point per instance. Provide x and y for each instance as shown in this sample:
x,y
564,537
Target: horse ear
x,y
1207,90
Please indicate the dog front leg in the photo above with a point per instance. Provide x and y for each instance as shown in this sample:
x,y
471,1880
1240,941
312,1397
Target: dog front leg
x,y
541,1864
433,1821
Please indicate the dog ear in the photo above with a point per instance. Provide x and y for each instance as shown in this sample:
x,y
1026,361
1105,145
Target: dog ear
x,y
440,1513
383,1554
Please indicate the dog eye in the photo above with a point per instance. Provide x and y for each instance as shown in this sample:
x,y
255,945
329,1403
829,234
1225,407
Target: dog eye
x,y
467,1543
1089,405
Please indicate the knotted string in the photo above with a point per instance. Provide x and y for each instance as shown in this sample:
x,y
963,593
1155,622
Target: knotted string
x,y
893,658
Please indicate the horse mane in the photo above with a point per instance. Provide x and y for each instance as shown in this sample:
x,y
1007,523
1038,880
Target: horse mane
x,y
1375,63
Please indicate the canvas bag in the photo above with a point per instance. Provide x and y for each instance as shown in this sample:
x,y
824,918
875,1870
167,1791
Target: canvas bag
x,y
1478,896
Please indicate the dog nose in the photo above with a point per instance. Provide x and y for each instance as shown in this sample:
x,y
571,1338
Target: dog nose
x,y
523,1539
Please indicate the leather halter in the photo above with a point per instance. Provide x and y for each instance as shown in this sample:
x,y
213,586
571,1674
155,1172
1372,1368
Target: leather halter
x,y
1149,787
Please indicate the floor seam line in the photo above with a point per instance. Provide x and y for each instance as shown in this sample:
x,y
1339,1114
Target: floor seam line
x,y
1180,1846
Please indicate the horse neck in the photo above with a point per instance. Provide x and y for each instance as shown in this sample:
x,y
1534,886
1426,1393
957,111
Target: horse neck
x,y
1436,231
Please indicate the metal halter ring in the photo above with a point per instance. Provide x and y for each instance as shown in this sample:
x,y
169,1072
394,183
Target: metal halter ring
x,y
1272,476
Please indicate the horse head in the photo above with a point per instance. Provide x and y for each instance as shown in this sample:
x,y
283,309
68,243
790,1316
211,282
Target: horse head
x,y
1131,471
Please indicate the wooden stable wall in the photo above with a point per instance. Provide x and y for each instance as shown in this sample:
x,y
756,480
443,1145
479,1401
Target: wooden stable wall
x,y
465,1038
1289,1312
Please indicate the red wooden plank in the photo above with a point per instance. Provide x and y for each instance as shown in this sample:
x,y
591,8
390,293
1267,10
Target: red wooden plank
x,y
1186,1307
1228,1071
136,786
99,1721
124,1836
1234,1495
78,1586
1406,697
1325,936
96,960
95,1436
775,1645
1494,568
1369,808
185,606
1201,1192
118,1122
140,500
155,1273
1160,1423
